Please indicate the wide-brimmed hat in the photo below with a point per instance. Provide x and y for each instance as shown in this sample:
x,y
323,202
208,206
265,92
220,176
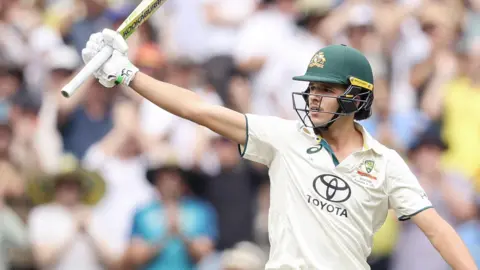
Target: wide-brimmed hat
x,y
41,187
155,170
195,181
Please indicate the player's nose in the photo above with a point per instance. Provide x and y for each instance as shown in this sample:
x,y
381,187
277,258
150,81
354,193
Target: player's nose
x,y
314,100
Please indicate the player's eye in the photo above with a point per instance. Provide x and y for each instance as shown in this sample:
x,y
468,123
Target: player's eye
x,y
329,90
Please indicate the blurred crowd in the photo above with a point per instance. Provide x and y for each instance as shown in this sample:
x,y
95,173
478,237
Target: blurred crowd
x,y
107,180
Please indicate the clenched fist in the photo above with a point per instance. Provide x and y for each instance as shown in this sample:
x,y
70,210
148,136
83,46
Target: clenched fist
x,y
118,69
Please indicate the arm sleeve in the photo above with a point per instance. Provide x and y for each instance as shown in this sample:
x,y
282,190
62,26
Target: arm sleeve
x,y
405,195
263,138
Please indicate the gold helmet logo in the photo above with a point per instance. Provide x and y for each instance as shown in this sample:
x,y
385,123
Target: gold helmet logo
x,y
318,60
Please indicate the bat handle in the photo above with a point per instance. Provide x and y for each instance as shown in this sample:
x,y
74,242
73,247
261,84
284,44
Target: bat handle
x,y
92,66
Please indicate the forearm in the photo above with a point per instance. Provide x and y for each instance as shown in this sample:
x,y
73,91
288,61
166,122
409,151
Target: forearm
x,y
47,256
174,99
433,99
140,253
198,248
103,251
452,248
112,142
420,73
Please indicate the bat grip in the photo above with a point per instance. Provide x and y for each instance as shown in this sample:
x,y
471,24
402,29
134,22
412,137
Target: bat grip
x,y
92,66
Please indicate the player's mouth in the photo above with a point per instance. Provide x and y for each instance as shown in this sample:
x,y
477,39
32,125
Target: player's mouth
x,y
314,111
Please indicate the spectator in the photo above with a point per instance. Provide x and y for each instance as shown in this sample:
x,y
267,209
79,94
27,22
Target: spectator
x,y
12,182
24,115
93,21
13,233
223,22
61,226
253,47
232,189
169,133
456,104
121,158
85,118
288,58
174,231
62,62
11,80
450,193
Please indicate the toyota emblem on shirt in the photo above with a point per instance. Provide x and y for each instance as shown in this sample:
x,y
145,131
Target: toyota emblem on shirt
x,y
332,188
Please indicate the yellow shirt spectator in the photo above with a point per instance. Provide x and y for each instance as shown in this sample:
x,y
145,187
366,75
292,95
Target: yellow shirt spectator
x,y
462,126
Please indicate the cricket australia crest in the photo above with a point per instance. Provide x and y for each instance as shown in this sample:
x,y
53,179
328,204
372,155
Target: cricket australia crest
x,y
318,60
369,165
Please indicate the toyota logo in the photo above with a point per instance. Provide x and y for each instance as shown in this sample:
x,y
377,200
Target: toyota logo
x,y
332,188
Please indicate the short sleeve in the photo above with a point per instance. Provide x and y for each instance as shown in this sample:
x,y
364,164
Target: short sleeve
x,y
405,195
262,142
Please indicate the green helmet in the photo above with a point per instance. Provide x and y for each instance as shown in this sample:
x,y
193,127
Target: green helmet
x,y
343,65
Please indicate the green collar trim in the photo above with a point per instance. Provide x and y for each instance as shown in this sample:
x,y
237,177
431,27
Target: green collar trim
x,y
330,151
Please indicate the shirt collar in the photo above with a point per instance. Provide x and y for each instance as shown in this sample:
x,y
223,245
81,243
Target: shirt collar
x,y
369,143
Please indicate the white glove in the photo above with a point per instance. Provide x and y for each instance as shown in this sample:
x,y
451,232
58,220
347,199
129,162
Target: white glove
x,y
118,69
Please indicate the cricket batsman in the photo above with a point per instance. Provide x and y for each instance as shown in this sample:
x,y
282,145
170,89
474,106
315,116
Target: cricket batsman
x,y
332,184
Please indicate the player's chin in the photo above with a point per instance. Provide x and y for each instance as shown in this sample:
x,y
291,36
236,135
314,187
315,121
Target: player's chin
x,y
318,118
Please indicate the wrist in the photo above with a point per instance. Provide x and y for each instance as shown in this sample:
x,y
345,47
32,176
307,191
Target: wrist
x,y
127,75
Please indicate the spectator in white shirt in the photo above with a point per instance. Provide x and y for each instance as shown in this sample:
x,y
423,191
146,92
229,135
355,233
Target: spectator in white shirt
x,y
287,58
61,229
120,157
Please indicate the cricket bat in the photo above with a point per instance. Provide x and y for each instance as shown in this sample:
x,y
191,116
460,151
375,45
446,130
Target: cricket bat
x,y
141,13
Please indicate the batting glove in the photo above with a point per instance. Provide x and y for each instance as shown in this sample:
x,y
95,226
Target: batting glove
x,y
118,69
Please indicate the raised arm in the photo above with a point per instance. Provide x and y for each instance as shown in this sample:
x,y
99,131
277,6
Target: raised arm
x,y
176,100
187,104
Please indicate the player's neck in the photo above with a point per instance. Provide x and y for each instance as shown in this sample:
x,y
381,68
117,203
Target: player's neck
x,y
342,136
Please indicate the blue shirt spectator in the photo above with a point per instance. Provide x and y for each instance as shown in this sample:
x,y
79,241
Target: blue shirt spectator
x,y
197,219
81,131
176,231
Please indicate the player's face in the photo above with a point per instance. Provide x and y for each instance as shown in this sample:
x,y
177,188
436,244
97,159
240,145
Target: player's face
x,y
322,102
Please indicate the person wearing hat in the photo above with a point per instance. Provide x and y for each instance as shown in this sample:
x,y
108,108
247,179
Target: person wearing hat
x,y
450,191
332,183
61,228
175,231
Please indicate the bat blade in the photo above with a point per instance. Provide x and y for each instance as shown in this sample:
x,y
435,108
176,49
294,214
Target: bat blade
x,y
141,13
138,16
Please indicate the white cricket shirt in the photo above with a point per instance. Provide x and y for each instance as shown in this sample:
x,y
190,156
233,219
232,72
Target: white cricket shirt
x,y
322,215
